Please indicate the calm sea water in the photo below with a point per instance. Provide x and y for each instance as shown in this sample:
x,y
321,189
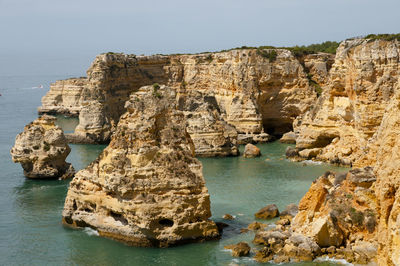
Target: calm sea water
x,y
30,210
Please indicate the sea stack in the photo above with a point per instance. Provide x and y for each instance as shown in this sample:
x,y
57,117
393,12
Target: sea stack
x,y
41,149
146,188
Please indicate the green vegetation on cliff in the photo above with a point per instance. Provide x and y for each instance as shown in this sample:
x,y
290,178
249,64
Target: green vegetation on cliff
x,y
385,37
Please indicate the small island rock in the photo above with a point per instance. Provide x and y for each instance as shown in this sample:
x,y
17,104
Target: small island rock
x,y
251,151
41,149
146,188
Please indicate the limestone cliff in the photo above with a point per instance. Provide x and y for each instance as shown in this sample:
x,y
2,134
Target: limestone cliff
x,y
146,188
356,122
64,97
361,84
41,149
254,93
384,154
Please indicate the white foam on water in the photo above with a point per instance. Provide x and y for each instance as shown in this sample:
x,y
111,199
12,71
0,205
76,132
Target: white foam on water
x,y
312,162
338,261
90,231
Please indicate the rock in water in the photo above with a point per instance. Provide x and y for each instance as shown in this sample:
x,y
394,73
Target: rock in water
x,y
41,149
240,249
146,188
269,211
251,151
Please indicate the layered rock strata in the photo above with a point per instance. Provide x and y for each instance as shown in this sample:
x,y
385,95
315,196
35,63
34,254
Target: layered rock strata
x,y
254,93
146,188
356,122
64,97
41,149
211,135
362,83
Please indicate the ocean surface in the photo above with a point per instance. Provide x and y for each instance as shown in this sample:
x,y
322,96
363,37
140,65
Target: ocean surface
x,y
31,232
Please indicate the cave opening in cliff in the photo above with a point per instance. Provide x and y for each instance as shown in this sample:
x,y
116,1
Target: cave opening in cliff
x,y
276,127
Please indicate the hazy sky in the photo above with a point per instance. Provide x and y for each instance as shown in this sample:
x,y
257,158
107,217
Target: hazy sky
x,y
64,36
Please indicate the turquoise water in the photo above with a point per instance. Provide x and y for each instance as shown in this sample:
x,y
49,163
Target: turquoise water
x,y
30,219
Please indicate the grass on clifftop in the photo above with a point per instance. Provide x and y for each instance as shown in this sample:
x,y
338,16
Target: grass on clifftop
x,y
298,51
385,37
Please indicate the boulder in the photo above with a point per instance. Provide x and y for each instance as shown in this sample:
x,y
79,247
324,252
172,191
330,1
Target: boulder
x,y
291,152
290,211
256,226
146,188
309,153
41,149
228,217
239,250
289,138
251,151
269,211
362,177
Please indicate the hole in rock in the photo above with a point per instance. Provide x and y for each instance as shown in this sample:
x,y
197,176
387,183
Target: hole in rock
x,y
166,222
119,217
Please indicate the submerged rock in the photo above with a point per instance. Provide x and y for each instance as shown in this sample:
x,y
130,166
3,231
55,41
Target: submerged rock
x,y
41,149
251,151
228,217
146,188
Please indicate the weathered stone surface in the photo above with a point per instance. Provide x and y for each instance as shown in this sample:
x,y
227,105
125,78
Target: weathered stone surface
x,y
349,112
253,94
146,188
289,137
251,151
256,226
290,211
240,249
41,149
269,211
362,177
64,97
211,135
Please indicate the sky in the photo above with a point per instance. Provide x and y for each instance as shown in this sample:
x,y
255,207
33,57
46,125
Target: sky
x,y
63,37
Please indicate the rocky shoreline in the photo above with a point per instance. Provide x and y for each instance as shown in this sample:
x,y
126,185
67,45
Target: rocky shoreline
x,y
158,112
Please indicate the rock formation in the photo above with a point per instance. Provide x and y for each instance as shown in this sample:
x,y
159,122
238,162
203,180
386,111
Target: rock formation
x,y
253,93
146,188
356,122
269,211
64,97
362,83
211,135
337,218
251,151
41,149
240,249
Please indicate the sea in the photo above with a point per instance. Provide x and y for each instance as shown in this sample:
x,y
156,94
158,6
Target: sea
x,y
31,232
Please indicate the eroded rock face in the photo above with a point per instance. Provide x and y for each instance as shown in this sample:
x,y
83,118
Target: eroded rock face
x,y
41,149
356,123
253,94
362,83
211,135
336,218
64,97
146,188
